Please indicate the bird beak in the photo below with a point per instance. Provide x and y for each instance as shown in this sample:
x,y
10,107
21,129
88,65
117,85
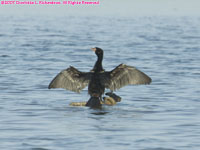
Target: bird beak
x,y
93,49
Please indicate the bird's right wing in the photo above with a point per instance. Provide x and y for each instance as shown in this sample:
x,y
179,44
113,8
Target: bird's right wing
x,y
124,75
71,79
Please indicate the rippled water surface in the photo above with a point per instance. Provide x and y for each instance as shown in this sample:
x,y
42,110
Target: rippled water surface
x,y
162,116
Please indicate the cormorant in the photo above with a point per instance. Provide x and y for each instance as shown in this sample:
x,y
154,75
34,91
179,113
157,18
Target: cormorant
x,y
98,79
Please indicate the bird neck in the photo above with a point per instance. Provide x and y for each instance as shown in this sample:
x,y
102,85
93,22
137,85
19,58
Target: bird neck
x,y
98,65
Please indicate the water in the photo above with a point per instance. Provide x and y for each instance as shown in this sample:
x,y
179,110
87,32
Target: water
x,y
161,116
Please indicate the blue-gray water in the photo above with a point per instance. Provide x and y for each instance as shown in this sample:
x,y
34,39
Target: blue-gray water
x,y
162,116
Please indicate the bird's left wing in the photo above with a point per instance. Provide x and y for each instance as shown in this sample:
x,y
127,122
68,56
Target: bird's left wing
x,y
71,79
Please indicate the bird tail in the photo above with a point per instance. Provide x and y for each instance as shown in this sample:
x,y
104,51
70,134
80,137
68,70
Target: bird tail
x,y
94,102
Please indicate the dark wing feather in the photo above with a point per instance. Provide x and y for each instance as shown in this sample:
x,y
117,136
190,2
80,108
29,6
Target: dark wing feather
x,y
71,79
123,75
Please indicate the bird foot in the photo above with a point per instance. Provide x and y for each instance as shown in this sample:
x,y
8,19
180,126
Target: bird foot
x,y
114,96
109,101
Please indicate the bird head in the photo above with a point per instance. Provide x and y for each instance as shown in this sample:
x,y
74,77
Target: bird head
x,y
98,51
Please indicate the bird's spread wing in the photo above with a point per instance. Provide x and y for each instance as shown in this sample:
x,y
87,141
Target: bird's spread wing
x,y
123,75
71,79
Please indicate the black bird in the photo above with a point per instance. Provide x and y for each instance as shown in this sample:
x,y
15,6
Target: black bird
x,y
98,79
